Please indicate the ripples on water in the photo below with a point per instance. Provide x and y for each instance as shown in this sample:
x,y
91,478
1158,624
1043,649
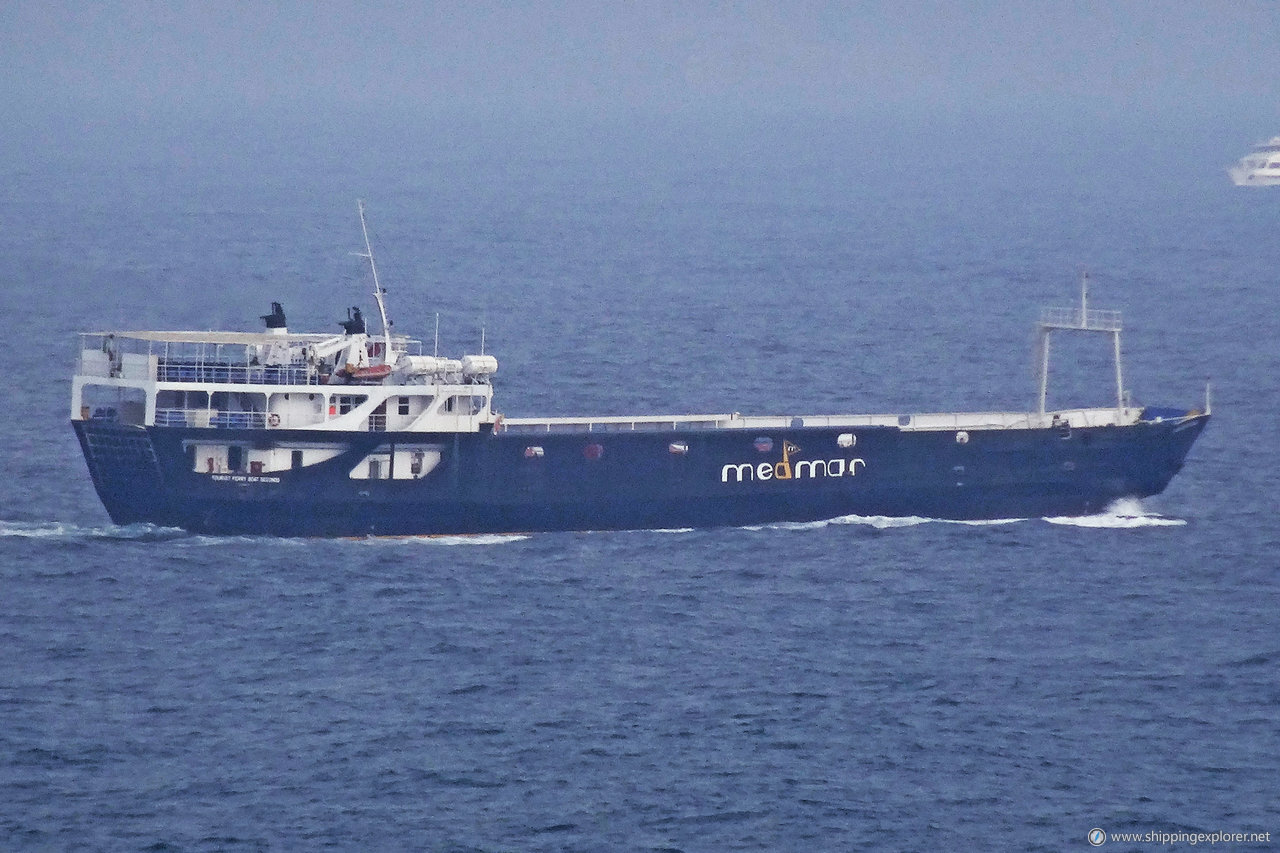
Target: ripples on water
x,y
728,689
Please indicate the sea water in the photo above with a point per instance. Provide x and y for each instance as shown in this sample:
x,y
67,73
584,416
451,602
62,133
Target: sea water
x,y
859,683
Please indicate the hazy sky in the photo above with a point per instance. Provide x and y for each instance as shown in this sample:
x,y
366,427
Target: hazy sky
x,y
658,57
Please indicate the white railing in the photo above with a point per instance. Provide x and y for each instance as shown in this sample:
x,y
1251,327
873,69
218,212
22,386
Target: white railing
x,y
613,424
207,357
1074,318
913,422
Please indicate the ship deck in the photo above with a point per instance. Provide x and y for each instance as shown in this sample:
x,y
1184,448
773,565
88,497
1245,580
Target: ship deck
x,y
1075,418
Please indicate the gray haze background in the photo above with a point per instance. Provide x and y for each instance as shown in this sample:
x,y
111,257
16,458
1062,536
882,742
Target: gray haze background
x,y
143,142
109,71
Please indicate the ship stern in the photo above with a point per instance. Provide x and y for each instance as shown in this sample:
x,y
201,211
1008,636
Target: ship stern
x,y
126,474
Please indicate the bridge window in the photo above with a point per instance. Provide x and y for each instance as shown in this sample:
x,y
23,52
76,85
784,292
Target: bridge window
x,y
347,402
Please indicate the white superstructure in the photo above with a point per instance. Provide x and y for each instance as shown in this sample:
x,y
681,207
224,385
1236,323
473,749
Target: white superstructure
x,y
1260,167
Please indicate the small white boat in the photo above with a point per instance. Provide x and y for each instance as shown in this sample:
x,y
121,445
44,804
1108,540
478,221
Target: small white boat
x,y
1260,167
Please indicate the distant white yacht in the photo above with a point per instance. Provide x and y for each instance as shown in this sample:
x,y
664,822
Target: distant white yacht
x,y
1260,167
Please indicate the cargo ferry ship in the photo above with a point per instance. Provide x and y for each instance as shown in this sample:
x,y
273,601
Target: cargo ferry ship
x,y
360,433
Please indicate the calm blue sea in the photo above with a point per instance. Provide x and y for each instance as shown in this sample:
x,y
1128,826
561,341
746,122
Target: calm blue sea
x,y
857,684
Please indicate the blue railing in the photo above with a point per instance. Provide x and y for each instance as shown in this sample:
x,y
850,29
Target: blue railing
x,y
237,420
216,420
171,370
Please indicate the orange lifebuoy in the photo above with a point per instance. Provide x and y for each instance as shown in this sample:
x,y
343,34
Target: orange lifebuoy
x,y
273,419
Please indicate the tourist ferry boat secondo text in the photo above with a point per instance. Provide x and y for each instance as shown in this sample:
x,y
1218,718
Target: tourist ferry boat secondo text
x,y
358,434
1260,167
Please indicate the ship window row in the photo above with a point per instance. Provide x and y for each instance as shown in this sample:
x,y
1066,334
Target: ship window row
x,y
205,458
386,462
231,409
248,401
252,409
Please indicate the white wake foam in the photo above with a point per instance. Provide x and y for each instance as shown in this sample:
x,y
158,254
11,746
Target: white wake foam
x,y
67,532
470,539
1121,514
880,522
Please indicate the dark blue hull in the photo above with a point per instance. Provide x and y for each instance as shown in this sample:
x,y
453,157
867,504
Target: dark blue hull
x,y
495,482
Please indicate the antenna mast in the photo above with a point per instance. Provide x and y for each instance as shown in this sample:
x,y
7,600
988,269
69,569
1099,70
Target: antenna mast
x,y
377,288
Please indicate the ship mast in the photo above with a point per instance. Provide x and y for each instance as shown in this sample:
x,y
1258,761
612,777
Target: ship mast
x,y
1082,319
377,288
